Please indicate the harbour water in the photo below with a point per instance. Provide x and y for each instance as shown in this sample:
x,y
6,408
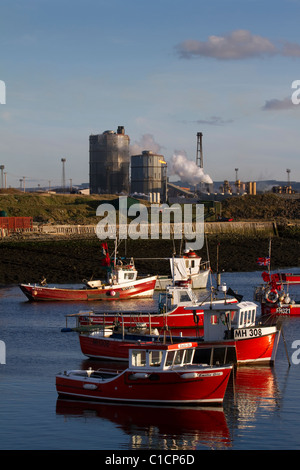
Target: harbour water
x,y
261,408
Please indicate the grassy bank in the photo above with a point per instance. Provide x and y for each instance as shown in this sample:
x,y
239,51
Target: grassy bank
x,y
79,209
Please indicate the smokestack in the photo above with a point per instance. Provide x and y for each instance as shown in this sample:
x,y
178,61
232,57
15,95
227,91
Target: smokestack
x,y
199,155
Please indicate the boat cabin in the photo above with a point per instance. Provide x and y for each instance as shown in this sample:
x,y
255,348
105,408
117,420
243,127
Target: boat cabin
x,y
175,297
183,268
161,357
120,274
226,321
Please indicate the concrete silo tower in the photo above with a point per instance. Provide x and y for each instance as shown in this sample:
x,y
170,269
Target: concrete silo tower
x,y
109,162
149,175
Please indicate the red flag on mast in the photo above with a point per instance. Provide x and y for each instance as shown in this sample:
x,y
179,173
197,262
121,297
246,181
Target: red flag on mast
x,y
106,258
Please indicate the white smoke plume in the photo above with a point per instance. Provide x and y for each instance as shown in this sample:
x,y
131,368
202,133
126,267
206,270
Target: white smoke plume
x,y
188,171
147,142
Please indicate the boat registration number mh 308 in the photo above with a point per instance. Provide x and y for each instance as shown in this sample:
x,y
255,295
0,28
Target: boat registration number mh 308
x,y
241,333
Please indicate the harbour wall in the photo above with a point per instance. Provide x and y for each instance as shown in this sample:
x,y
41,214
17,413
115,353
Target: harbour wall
x,y
268,229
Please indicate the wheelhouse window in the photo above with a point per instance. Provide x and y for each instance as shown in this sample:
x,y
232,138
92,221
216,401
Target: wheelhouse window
x,y
184,297
129,276
176,358
155,358
189,354
138,358
179,357
170,358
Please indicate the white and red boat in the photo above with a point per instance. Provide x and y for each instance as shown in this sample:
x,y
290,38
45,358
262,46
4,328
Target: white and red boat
x,y
275,298
229,330
157,374
236,328
286,278
122,283
189,268
176,314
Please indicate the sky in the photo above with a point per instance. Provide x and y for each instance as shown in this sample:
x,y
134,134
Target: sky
x,y
165,70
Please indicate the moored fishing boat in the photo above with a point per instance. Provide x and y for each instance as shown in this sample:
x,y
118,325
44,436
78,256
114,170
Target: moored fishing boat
x,y
157,374
122,283
237,327
189,268
229,331
287,278
274,297
176,313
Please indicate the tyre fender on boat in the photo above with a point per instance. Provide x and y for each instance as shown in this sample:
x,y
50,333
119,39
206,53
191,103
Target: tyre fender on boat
x,y
196,318
272,296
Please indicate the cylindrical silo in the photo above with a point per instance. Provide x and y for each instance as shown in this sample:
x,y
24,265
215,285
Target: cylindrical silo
x,y
109,162
148,174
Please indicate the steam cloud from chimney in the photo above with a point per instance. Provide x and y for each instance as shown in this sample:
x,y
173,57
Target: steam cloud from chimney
x,y
188,171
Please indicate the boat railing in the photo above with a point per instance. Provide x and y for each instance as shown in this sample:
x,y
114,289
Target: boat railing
x,y
110,320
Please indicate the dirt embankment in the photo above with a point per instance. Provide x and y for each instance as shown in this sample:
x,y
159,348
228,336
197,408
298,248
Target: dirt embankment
x,y
63,261
71,261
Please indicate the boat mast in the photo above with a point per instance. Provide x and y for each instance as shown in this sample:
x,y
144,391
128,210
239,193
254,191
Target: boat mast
x,y
270,246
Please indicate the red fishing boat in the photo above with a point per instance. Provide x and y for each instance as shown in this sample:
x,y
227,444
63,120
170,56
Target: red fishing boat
x,y
176,314
229,330
122,283
236,327
157,374
286,278
275,298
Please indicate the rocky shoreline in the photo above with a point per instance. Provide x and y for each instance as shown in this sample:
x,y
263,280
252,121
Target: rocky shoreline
x,y
74,259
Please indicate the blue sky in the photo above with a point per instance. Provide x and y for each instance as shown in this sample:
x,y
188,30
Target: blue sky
x,y
164,70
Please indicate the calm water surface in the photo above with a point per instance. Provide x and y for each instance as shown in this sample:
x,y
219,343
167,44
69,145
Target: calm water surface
x,y
261,409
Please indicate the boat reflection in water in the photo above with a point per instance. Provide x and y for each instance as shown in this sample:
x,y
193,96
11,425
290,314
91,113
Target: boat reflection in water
x,y
154,427
164,428
252,395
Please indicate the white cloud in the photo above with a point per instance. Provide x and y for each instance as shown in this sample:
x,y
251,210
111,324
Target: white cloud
x,y
236,45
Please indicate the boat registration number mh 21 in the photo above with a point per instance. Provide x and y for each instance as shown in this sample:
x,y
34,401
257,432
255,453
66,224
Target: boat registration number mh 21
x,y
247,333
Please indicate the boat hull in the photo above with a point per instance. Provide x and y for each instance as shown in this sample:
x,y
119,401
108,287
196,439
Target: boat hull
x,y
280,309
139,289
201,386
251,350
287,278
98,347
179,322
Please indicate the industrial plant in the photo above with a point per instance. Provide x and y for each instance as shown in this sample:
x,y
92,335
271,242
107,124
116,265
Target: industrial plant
x,y
114,171
115,168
